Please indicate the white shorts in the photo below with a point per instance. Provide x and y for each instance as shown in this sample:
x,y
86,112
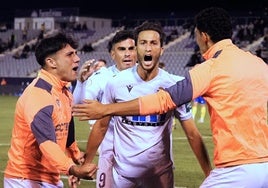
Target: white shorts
x,y
25,183
248,175
165,180
104,173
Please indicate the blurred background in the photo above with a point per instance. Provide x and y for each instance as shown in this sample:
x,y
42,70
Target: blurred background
x,y
93,24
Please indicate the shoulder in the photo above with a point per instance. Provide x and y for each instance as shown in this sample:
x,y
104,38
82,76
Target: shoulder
x,y
122,77
125,73
113,70
101,73
170,76
30,99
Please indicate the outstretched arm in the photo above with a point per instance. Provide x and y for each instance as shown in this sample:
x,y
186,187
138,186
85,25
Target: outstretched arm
x,y
92,109
159,102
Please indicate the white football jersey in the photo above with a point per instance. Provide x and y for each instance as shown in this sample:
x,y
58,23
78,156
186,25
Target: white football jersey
x,y
142,143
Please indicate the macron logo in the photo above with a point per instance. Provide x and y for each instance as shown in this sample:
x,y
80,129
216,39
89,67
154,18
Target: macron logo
x,y
129,87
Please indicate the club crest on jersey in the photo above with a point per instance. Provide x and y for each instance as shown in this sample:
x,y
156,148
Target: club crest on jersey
x,y
58,102
129,87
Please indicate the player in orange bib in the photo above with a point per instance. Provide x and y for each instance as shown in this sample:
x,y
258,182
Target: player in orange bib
x,y
43,143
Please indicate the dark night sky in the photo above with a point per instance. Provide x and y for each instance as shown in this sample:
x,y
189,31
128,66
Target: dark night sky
x,y
134,8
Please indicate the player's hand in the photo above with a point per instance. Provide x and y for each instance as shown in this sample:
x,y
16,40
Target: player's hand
x,y
89,110
85,171
81,158
73,181
86,70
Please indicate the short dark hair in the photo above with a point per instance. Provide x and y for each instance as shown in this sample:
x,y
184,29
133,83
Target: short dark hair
x,y
155,26
51,45
103,60
216,22
120,36
161,65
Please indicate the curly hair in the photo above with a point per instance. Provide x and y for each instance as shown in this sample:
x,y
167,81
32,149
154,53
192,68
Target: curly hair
x,y
216,22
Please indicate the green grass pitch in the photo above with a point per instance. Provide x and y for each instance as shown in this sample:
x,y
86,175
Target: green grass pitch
x,y
187,170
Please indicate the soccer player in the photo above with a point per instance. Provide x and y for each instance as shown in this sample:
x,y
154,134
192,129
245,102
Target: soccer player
x,y
199,102
234,84
43,125
122,50
142,154
92,78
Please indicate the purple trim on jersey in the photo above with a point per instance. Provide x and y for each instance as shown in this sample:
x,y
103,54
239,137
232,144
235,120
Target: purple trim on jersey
x,y
43,85
42,123
182,91
71,134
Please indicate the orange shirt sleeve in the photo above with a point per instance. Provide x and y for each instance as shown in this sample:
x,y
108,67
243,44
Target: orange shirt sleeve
x,y
168,98
157,103
74,152
53,153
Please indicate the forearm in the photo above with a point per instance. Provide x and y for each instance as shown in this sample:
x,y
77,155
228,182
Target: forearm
x,y
197,144
156,103
95,138
201,154
131,107
54,153
85,171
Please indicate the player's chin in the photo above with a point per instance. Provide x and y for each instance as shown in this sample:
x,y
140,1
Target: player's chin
x,y
73,76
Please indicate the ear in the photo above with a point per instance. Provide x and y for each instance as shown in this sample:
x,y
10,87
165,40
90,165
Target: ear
x,y
162,50
50,62
112,54
205,36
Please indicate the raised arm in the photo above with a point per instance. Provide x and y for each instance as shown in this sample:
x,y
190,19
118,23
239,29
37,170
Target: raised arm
x,y
85,71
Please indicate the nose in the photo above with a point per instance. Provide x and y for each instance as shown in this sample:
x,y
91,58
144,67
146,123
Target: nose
x,y
77,58
148,47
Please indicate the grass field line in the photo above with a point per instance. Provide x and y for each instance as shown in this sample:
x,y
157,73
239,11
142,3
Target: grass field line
x,y
84,141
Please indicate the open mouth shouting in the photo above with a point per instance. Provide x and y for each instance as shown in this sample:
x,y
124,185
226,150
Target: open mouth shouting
x,y
148,60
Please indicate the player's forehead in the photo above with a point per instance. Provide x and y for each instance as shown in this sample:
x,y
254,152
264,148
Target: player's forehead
x,y
125,44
